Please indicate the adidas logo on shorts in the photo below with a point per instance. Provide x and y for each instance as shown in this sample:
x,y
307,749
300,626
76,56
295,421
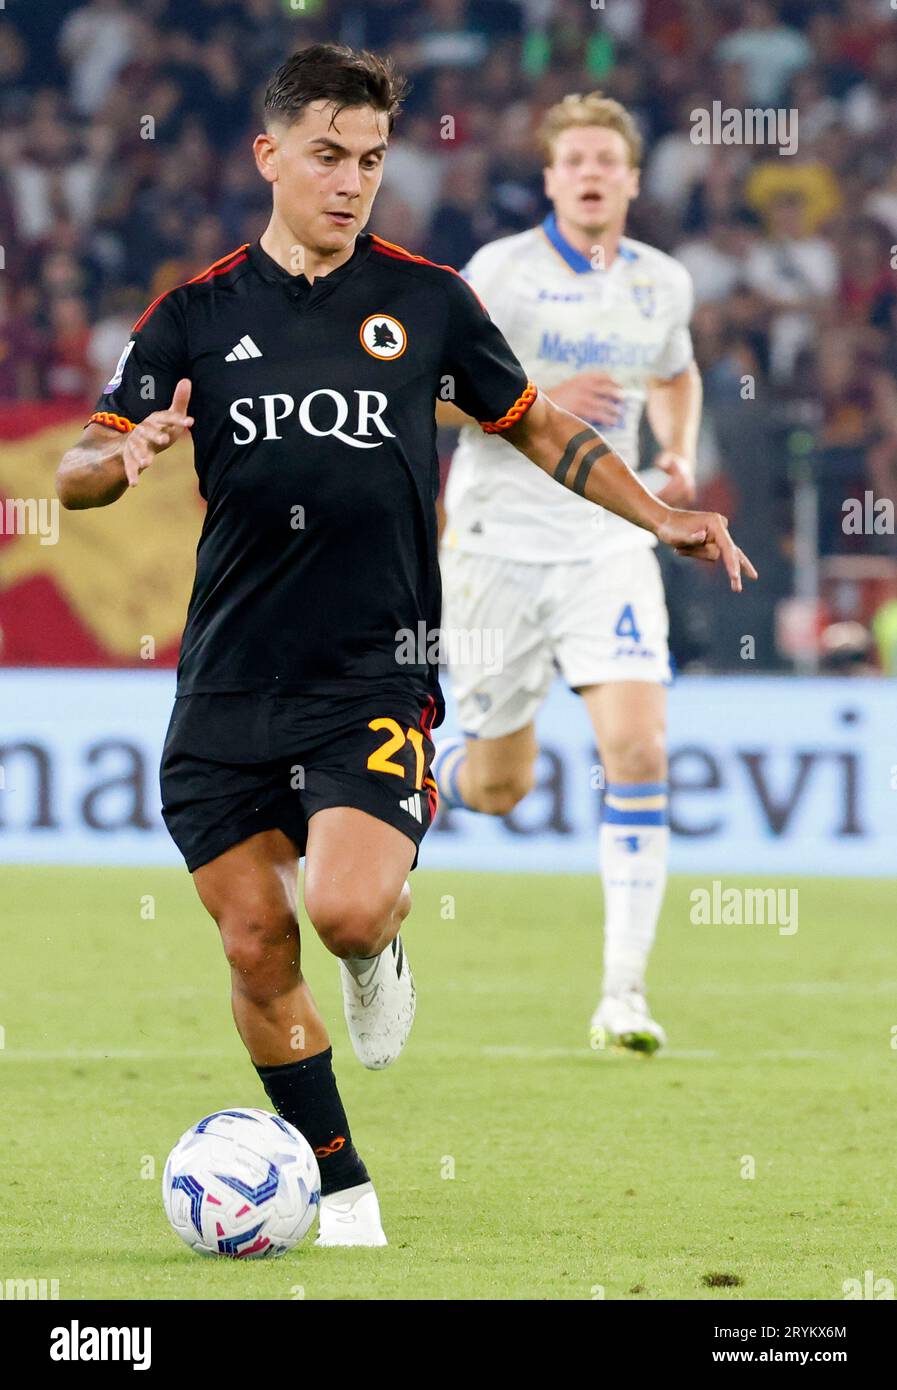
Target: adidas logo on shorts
x,y
414,808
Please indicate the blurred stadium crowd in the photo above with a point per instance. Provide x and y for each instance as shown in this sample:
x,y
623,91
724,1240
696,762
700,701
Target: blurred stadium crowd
x,y
125,168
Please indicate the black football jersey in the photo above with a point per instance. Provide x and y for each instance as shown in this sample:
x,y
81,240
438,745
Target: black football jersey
x,y
314,442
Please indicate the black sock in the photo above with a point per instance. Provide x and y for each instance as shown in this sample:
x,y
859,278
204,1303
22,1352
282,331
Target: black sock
x,y
305,1094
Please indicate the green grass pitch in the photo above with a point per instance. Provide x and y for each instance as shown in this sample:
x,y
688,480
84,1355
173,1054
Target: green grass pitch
x,y
511,1162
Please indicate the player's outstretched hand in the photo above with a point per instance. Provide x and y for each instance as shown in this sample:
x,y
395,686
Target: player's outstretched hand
x,y
681,488
157,432
705,536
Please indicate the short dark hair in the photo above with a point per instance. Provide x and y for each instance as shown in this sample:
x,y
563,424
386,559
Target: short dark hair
x,y
333,72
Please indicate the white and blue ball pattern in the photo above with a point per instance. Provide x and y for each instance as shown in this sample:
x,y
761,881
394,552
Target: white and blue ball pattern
x,y
242,1183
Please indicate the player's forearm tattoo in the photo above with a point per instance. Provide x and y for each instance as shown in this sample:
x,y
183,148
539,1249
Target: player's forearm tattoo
x,y
585,466
569,454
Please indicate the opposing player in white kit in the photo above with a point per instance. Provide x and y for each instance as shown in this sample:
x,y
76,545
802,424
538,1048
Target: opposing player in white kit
x,y
600,322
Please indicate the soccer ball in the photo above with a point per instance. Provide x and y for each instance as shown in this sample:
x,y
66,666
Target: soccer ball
x,y
242,1183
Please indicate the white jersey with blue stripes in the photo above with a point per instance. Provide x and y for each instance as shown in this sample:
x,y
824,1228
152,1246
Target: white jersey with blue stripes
x,y
562,316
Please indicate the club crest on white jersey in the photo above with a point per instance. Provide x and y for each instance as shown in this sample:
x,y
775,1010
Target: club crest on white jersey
x,y
645,297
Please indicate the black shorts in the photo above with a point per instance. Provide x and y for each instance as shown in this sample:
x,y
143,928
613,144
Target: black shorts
x,y
237,764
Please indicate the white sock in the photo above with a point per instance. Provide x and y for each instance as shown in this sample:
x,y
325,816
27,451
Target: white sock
x,y
449,758
360,965
634,873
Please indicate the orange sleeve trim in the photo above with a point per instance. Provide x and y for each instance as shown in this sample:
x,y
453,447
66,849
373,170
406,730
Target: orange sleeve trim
x,y
112,422
219,267
518,409
393,248
398,253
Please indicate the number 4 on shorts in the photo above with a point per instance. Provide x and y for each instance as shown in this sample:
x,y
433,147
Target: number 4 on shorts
x,y
626,626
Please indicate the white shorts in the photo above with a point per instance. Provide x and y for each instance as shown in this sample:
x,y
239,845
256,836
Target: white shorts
x,y
509,626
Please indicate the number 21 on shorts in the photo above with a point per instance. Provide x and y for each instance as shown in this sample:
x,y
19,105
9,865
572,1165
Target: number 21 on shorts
x,y
381,760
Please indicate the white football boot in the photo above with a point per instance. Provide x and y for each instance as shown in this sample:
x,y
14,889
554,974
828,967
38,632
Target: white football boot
x,y
623,1021
351,1217
378,1001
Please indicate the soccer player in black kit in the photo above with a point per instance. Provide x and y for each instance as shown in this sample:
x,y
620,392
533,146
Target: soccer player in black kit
x,y
306,367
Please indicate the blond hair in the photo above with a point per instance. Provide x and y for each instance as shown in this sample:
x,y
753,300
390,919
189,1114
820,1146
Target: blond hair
x,y
592,109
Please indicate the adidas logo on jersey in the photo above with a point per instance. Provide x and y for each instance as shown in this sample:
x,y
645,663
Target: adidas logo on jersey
x,y
242,350
414,808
